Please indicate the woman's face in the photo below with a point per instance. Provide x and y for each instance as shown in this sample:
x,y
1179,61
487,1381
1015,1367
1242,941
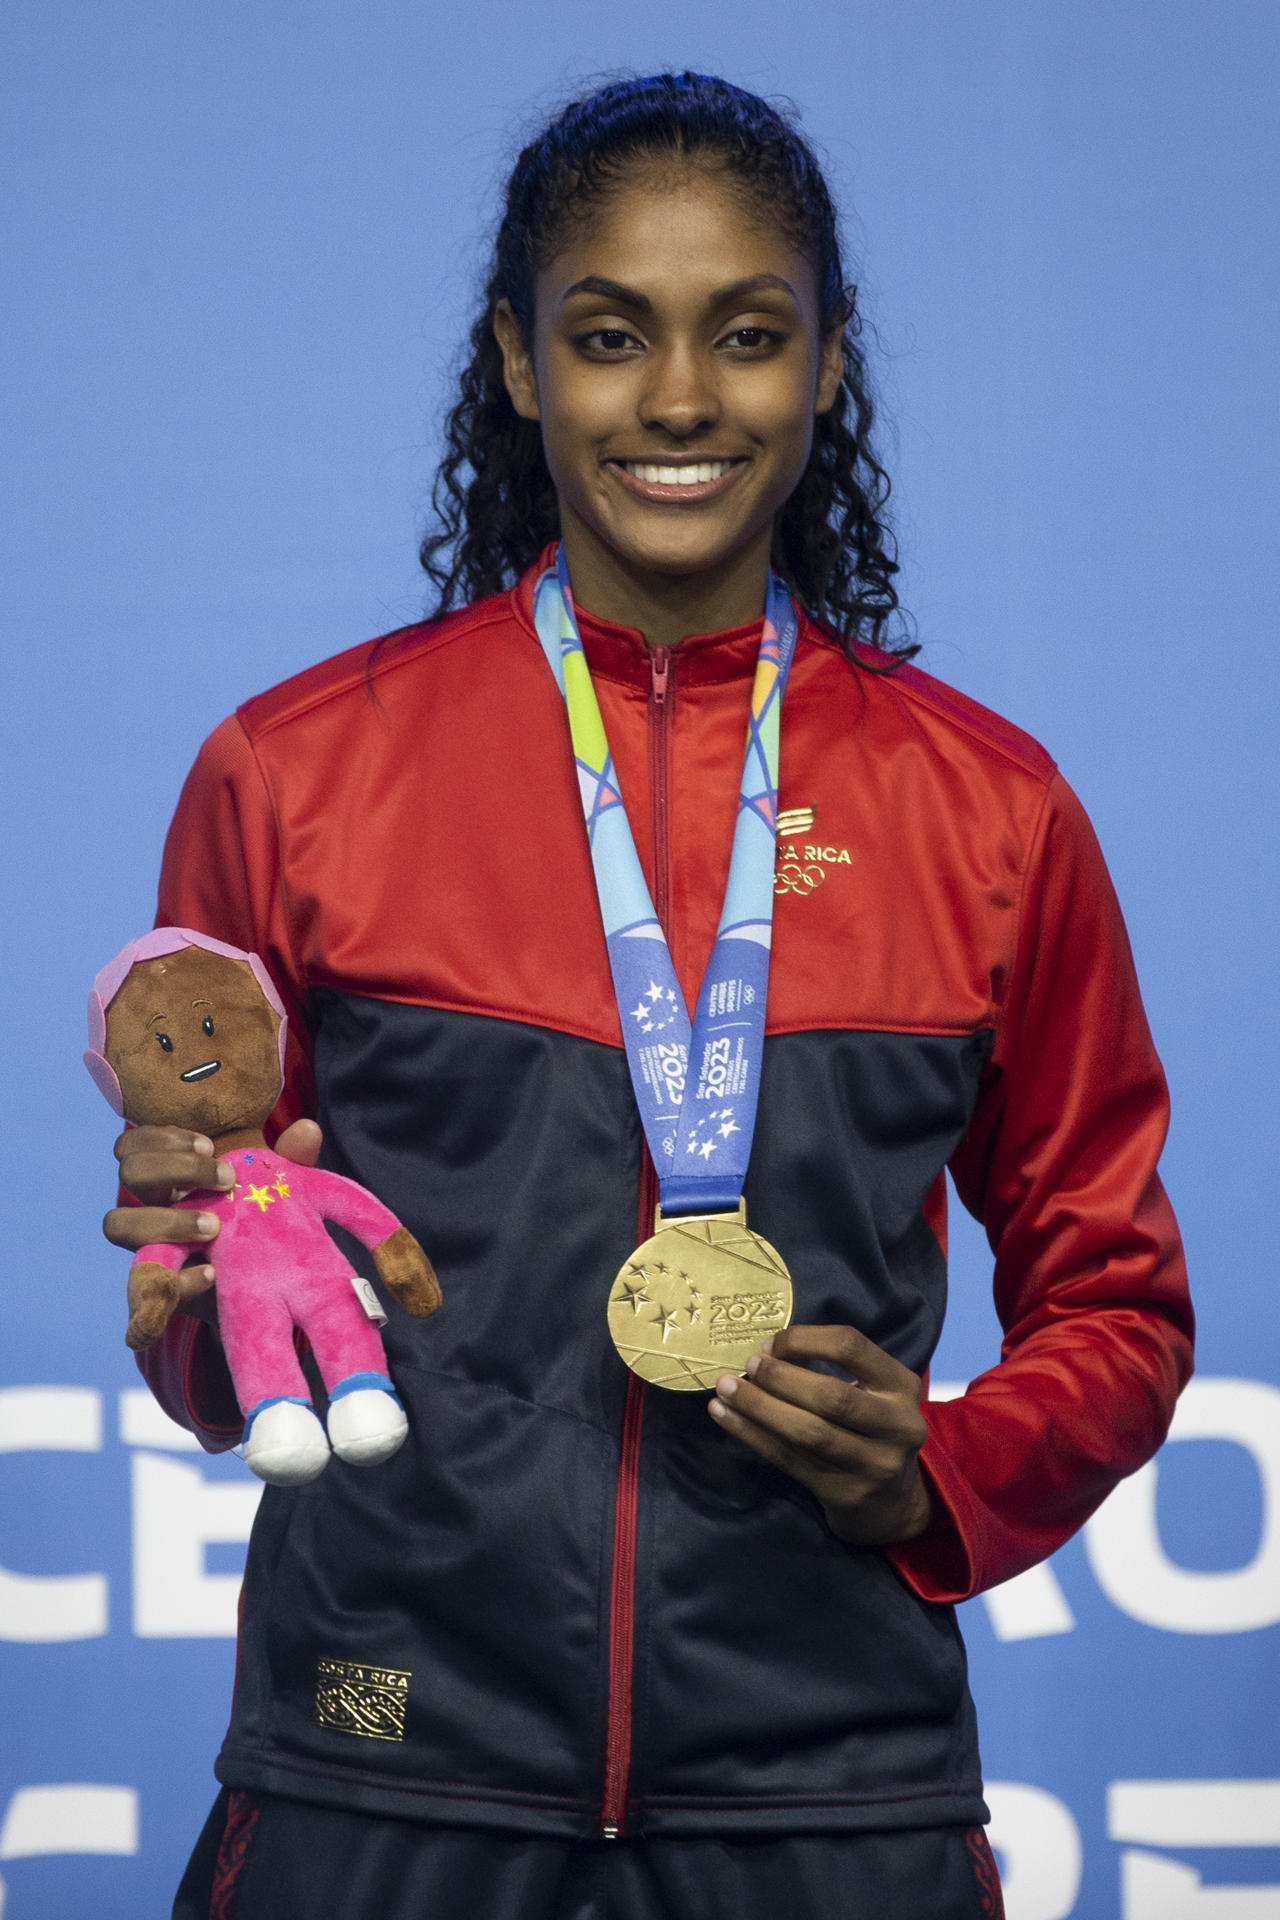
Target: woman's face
x,y
676,368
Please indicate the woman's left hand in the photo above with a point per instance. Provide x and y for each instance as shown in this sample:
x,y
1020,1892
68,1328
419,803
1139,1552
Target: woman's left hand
x,y
854,1443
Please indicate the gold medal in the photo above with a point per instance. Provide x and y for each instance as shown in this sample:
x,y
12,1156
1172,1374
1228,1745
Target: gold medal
x,y
697,1300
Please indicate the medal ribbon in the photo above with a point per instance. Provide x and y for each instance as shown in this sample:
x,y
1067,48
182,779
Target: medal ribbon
x,y
700,1144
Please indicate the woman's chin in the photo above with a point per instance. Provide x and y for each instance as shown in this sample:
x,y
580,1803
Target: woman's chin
x,y
672,547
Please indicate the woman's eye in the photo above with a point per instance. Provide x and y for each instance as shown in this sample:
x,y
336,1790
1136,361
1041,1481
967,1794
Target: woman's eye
x,y
165,1042
608,340
206,1025
749,339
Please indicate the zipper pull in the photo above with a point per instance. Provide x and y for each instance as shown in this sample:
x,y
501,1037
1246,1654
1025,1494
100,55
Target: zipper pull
x,y
660,670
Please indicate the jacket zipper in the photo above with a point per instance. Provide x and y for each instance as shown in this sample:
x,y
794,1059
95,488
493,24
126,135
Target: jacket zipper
x,y
622,1593
659,758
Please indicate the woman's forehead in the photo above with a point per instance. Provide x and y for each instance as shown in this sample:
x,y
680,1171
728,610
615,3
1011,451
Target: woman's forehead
x,y
677,219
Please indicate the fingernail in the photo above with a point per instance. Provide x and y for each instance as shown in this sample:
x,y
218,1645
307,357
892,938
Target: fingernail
x,y
201,1145
207,1224
225,1176
727,1386
717,1409
768,1345
753,1365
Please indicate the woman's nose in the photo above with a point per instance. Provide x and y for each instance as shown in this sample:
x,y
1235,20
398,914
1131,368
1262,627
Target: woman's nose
x,y
681,393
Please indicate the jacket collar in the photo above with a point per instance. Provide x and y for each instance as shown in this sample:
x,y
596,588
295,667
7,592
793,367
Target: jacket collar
x,y
620,653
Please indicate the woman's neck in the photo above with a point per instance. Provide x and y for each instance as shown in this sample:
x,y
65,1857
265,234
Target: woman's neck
x,y
666,607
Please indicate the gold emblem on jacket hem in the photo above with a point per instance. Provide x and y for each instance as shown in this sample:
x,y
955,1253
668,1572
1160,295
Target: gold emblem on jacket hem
x,y
369,1701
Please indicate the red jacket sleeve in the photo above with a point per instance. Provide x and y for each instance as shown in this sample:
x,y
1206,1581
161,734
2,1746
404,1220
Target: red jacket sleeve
x,y
1059,1163
221,875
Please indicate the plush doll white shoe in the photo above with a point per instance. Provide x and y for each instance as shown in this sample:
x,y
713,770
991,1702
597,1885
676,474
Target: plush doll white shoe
x,y
285,1445
366,1425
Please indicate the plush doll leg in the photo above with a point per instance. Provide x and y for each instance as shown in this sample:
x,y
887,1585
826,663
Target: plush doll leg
x,y
366,1421
284,1443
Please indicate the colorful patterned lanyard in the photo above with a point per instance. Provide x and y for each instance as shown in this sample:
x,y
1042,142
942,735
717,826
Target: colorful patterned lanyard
x,y
701,1146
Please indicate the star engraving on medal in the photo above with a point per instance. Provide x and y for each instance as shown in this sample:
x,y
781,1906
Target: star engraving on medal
x,y
666,1319
635,1293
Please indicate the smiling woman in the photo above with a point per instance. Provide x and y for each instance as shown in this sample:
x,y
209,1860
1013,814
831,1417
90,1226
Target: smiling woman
x,y
676,404
514,873
682,222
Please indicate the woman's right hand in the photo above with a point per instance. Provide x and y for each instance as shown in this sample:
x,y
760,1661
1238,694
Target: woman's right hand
x,y
158,1165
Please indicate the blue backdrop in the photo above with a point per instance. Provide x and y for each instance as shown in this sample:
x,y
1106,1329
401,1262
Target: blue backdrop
x,y
241,242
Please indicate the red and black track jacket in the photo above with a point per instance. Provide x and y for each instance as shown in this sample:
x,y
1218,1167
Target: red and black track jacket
x,y
608,1613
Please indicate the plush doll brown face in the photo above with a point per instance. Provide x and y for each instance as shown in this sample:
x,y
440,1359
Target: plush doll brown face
x,y
194,1044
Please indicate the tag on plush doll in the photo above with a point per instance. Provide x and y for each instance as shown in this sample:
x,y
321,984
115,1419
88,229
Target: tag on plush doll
x,y
369,1300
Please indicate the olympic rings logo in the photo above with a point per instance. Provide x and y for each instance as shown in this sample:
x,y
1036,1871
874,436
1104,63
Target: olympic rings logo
x,y
791,877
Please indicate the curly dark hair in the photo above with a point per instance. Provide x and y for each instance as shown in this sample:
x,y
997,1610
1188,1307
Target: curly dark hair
x,y
493,499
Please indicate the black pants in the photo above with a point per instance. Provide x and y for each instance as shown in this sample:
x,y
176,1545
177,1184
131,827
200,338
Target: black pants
x,y
263,1858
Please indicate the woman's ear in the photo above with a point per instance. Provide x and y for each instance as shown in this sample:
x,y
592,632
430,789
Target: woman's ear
x,y
517,362
830,370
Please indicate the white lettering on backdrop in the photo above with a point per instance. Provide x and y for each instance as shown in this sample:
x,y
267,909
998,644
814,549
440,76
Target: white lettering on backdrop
x,y
1123,1538
63,1606
1185,1814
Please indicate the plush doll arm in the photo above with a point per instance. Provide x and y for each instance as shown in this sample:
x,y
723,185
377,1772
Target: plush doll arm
x,y
402,1265
407,1274
153,1293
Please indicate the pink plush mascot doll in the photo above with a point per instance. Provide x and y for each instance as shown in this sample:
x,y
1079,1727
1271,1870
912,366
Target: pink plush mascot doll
x,y
187,1032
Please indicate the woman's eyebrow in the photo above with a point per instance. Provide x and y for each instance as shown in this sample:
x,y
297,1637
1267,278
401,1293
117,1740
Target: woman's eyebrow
x,y
755,283
621,295
612,290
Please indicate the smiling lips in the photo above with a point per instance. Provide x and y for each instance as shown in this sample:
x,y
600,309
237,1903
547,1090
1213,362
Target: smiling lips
x,y
666,481
201,1072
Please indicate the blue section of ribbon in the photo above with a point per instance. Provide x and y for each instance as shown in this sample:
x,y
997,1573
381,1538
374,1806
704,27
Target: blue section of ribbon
x,y
697,1084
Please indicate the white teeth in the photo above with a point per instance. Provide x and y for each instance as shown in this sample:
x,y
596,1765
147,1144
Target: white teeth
x,y
658,476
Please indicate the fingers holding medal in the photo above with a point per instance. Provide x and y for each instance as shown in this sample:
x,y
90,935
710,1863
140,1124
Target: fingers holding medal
x,y
853,1442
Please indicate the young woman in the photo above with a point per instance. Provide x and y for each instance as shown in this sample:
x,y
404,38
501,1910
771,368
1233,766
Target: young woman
x,y
587,1644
